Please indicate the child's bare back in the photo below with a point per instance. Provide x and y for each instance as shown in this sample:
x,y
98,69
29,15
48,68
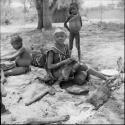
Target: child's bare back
x,y
24,59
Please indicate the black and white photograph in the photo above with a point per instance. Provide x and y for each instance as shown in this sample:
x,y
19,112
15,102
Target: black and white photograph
x,y
62,61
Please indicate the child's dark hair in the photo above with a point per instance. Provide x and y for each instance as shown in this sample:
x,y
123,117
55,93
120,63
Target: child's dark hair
x,y
16,39
72,6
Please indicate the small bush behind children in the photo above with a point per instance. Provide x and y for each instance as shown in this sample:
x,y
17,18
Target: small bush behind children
x,y
75,24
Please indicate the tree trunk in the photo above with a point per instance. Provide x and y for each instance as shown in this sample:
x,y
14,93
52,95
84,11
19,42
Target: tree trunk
x,y
39,8
44,16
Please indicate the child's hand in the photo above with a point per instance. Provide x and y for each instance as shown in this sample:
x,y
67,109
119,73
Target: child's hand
x,y
69,60
73,59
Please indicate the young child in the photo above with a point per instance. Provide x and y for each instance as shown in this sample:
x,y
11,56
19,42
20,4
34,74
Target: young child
x,y
58,57
21,58
75,24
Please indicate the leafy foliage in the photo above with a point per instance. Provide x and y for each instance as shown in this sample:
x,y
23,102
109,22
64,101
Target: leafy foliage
x,y
64,3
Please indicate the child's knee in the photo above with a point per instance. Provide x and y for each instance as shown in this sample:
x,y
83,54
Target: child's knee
x,y
76,67
80,78
78,46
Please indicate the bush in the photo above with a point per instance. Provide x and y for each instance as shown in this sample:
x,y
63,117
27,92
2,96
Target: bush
x,y
110,26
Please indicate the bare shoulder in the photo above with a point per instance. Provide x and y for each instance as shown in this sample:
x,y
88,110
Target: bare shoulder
x,y
23,49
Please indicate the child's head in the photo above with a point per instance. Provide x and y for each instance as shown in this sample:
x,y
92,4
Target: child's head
x,y
73,8
59,35
16,42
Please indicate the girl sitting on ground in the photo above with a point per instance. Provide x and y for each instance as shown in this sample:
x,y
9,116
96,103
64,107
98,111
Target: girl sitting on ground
x,y
59,56
22,59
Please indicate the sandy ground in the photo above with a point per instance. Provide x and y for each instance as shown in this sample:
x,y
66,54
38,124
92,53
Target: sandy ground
x,y
100,49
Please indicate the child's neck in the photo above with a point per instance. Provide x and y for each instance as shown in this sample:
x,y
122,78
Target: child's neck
x,y
18,49
59,45
74,14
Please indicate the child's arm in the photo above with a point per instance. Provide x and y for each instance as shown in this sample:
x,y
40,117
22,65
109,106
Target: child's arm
x,y
13,57
81,20
65,23
50,64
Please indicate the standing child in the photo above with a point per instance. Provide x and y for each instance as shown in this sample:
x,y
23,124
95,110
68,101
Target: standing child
x,y
22,58
75,24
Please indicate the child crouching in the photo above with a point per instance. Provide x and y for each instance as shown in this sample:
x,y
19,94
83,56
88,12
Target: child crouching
x,y
22,59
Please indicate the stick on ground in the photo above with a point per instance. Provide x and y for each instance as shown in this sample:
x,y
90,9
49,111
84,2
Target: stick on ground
x,y
41,95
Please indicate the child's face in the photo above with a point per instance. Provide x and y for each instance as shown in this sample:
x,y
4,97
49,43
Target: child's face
x,y
16,45
60,37
74,10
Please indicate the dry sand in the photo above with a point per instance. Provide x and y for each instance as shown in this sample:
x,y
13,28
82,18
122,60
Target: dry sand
x,y
100,49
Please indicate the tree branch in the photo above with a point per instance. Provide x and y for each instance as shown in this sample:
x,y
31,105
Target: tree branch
x,y
53,6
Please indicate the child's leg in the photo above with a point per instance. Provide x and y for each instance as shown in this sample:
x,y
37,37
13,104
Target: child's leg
x,y
77,37
3,108
6,67
16,71
96,73
71,38
84,67
3,91
2,76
